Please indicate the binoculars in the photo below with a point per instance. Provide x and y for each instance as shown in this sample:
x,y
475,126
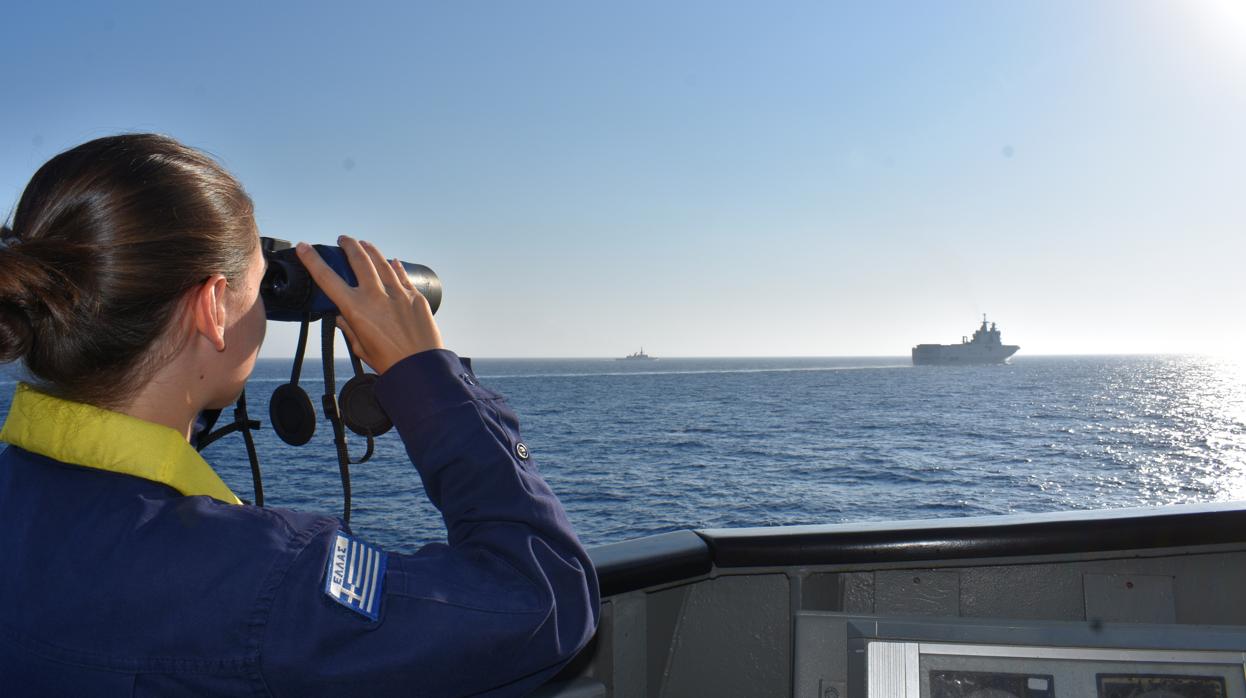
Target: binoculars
x,y
290,294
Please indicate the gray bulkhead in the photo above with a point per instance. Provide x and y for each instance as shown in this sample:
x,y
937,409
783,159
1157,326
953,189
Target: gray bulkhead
x,y
774,612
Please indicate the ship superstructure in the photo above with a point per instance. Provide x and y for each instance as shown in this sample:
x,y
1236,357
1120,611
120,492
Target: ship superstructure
x,y
985,347
638,356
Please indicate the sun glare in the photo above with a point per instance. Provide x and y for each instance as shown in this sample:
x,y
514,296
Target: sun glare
x,y
1222,22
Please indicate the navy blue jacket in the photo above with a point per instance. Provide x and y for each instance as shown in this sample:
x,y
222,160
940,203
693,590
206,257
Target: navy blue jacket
x,y
118,585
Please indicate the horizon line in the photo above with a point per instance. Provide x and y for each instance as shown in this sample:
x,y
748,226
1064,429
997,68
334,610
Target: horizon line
x,y
794,356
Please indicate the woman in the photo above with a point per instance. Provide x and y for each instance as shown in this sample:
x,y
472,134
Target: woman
x,y
129,289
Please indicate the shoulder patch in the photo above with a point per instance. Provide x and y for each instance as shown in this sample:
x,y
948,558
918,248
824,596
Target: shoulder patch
x,y
355,576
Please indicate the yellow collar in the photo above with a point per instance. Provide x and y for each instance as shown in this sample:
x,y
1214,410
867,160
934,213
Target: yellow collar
x,y
79,434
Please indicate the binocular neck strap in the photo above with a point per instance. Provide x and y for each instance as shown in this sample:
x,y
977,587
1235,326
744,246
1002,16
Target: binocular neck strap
x,y
333,408
243,423
327,332
355,363
300,350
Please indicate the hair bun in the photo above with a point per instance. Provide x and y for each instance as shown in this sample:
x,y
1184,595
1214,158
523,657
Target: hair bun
x,y
30,291
16,334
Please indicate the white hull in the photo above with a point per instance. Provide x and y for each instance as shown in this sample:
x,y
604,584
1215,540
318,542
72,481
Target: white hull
x,y
961,354
984,348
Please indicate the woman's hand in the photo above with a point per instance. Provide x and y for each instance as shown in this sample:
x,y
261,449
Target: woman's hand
x,y
384,317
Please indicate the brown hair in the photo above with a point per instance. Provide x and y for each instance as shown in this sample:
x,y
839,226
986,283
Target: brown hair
x,y
106,240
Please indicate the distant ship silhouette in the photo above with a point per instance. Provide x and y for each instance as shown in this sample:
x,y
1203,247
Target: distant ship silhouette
x,y
985,348
638,356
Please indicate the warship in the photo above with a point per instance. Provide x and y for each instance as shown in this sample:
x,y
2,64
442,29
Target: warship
x,y
984,348
638,356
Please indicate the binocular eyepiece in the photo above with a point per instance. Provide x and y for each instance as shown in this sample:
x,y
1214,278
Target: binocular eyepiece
x,y
290,294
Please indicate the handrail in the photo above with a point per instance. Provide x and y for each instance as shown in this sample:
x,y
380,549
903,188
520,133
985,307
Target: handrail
x,y
980,537
670,557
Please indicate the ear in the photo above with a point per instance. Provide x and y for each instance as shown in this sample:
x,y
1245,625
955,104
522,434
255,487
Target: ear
x,y
208,309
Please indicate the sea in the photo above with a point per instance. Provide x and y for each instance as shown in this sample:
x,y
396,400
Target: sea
x,y
635,448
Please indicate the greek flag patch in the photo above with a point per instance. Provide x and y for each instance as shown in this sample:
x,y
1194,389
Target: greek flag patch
x,y
356,575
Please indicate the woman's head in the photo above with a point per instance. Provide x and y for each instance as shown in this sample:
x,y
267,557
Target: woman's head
x,y
110,244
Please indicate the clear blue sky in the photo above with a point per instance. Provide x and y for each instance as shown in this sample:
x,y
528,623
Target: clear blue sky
x,y
705,178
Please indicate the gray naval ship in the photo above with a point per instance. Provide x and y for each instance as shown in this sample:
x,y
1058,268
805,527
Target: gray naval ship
x,y
984,348
638,356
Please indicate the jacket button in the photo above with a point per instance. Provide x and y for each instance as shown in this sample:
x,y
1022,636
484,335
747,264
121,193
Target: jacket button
x,y
521,450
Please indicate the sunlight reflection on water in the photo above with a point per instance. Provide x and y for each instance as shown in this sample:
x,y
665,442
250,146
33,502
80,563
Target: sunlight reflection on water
x,y
689,443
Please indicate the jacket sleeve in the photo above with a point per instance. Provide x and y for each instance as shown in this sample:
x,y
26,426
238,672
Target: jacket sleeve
x,y
496,610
